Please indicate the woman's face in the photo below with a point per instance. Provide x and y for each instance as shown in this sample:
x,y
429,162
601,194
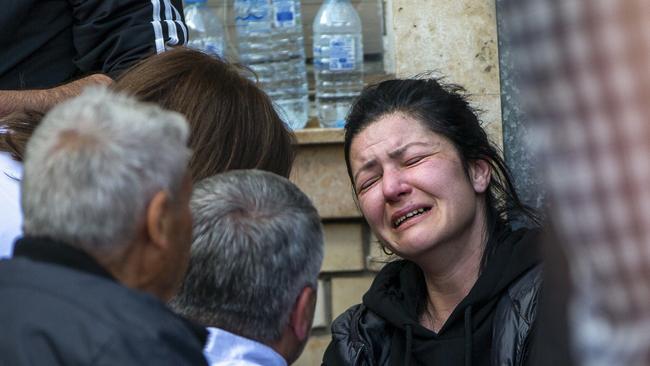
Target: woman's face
x,y
412,188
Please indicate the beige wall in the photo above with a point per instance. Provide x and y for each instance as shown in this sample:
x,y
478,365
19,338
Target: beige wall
x,y
457,39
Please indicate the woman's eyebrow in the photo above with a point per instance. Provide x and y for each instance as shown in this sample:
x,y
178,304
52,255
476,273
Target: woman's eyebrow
x,y
400,150
395,154
367,165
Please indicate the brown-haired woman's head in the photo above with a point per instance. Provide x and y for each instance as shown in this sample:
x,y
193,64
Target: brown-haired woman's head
x,y
232,121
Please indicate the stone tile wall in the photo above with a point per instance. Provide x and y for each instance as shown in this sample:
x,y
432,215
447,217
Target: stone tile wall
x,y
457,39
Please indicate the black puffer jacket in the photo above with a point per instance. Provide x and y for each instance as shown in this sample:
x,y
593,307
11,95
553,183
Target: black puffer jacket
x,y
491,326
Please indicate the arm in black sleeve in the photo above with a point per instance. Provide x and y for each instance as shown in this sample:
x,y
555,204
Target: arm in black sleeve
x,y
111,35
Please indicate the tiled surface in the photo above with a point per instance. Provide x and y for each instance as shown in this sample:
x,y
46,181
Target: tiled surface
x,y
376,258
348,291
319,170
343,247
457,39
320,313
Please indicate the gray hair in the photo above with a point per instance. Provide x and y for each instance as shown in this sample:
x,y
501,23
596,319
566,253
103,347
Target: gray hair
x,y
93,165
257,243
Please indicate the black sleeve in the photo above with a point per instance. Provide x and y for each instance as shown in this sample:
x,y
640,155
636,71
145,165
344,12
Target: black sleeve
x,y
111,35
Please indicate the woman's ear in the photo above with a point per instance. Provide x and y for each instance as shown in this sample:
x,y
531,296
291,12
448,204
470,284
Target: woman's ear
x,y
480,173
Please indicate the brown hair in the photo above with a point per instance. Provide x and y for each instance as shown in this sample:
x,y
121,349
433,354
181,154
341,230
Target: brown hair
x,y
15,130
232,121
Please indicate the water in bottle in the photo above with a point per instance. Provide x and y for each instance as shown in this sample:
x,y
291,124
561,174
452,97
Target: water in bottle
x,y
338,60
271,43
206,32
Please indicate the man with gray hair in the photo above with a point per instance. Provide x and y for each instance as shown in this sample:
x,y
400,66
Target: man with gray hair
x,y
256,253
105,196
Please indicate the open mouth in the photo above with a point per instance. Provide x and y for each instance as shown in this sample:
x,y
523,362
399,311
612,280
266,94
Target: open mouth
x,y
410,215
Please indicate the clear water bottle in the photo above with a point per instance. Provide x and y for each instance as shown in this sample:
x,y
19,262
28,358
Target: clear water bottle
x,y
338,60
271,43
206,32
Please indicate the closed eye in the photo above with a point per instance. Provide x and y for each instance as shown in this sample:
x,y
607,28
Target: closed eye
x,y
414,160
367,184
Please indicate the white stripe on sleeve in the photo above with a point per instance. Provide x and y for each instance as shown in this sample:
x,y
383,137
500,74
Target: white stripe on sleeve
x,y
173,36
157,27
179,21
171,27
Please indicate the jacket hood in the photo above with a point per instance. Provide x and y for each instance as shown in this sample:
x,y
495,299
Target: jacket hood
x,y
398,294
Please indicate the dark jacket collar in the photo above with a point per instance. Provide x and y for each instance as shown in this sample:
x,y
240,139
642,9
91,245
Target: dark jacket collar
x,y
58,253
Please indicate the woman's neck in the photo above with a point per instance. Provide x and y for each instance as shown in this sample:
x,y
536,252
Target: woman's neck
x,y
446,291
450,273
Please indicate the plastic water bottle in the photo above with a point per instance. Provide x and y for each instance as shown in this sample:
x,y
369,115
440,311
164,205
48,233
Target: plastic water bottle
x,y
206,32
338,60
271,43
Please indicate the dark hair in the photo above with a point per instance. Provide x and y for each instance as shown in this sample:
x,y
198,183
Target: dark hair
x,y
232,121
233,124
443,109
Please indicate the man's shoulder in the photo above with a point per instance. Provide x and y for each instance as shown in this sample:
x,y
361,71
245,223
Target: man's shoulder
x,y
68,287
103,300
64,307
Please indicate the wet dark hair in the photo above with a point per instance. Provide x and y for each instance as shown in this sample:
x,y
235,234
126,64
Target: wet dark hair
x,y
443,109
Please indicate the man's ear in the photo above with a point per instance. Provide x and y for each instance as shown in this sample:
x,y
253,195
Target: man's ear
x,y
303,313
156,215
480,173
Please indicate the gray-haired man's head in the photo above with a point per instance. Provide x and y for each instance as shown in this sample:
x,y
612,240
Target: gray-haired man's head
x,y
103,171
257,249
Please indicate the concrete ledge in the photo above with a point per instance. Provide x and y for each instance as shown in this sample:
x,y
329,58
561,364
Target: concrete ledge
x,y
317,135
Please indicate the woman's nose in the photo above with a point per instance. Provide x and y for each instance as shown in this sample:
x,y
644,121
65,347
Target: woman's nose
x,y
394,185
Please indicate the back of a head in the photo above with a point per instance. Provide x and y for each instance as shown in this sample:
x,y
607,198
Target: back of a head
x,y
257,243
93,165
232,121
